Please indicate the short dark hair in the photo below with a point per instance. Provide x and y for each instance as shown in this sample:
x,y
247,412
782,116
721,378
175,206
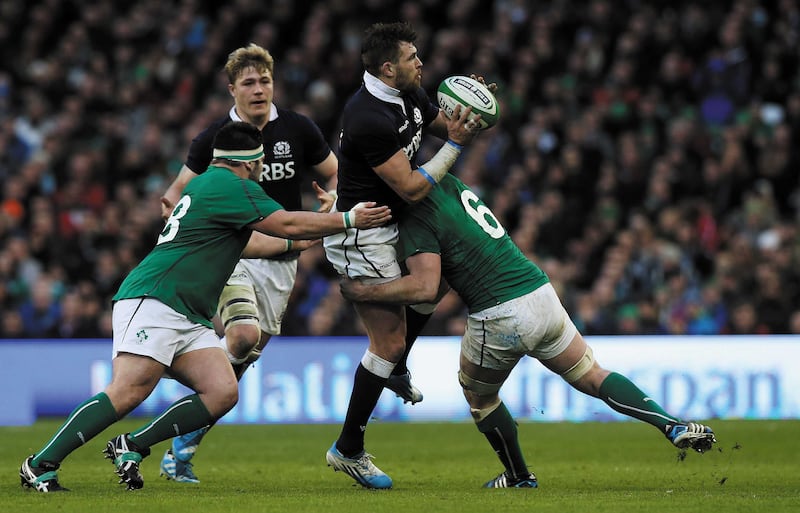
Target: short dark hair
x,y
238,135
382,43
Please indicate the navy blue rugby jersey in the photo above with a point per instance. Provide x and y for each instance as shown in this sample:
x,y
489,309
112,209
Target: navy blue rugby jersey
x,y
374,127
292,144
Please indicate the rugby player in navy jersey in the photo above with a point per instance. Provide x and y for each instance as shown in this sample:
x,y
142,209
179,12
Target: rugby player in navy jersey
x,y
255,298
382,130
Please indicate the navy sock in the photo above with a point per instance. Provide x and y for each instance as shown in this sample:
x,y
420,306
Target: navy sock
x,y
367,389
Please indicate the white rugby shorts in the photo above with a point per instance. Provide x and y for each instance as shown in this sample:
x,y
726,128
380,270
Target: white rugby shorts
x,y
272,282
535,324
357,253
148,327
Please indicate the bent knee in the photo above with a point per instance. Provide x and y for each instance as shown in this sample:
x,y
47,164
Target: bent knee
x,y
230,398
126,396
242,338
590,382
125,400
221,400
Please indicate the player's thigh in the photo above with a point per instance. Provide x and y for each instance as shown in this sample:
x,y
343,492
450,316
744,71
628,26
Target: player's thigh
x,y
205,371
132,371
483,374
273,282
577,365
492,340
238,305
567,358
551,328
201,362
133,378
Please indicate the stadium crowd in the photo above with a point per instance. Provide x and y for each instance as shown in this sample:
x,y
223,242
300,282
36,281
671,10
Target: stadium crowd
x,y
646,155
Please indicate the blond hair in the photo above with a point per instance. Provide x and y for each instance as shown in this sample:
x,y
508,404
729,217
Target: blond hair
x,y
250,56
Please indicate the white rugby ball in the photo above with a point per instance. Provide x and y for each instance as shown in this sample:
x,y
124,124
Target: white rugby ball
x,y
464,91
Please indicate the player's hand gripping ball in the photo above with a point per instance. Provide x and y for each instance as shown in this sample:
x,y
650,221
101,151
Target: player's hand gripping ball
x,y
467,92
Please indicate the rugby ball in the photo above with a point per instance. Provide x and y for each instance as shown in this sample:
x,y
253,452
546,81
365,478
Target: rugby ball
x,y
464,91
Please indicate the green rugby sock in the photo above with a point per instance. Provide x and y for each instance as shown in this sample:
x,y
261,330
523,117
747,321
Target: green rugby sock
x,y
623,396
500,430
183,416
84,423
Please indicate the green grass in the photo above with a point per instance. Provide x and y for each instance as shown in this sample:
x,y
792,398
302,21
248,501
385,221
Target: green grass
x,y
437,467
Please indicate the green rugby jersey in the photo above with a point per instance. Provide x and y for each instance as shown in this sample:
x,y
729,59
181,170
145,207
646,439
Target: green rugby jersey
x,y
479,259
200,244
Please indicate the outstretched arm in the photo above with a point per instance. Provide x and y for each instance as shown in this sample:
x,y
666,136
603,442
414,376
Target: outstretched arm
x,y
312,225
262,245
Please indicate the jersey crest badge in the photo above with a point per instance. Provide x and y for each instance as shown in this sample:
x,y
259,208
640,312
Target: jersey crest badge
x,y
282,149
417,116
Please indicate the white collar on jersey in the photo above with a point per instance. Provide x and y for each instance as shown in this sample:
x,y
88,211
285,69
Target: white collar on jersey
x,y
273,113
382,91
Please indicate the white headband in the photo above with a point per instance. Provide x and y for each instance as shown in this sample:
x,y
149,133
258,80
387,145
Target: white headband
x,y
240,155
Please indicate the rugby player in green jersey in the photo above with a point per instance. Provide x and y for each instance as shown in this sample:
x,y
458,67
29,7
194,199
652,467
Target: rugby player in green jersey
x,y
163,309
513,311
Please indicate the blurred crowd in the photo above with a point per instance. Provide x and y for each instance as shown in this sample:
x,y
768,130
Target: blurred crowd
x,y
646,155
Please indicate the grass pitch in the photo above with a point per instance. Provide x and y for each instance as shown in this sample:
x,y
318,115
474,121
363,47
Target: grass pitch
x,y
436,467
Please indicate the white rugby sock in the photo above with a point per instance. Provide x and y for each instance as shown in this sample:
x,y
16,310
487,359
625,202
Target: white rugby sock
x,y
377,365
